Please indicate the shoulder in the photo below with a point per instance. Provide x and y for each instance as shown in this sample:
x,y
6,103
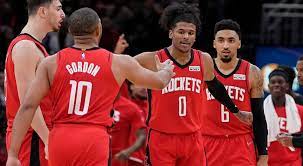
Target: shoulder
x,y
25,48
255,74
146,55
207,59
254,69
147,60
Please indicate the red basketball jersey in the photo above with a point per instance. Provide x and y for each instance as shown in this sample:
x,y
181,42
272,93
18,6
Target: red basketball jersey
x,y
11,92
176,108
84,87
216,119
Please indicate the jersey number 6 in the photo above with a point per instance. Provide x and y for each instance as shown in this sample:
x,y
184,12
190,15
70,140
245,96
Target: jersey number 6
x,y
224,114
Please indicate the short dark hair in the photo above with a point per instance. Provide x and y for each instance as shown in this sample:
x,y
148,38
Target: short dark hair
x,y
290,73
279,72
228,24
300,58
33,5
83,22
184,12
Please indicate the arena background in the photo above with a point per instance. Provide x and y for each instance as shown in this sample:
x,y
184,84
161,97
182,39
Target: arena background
x,y
272,30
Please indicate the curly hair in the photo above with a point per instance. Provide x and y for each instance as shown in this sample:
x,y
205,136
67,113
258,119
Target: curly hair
x,y
184,12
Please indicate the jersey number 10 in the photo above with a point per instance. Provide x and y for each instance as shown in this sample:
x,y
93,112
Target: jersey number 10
x,y
76,94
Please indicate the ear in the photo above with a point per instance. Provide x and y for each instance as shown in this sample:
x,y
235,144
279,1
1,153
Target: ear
x,y
214,44
42,12
98,30
239,44
170,34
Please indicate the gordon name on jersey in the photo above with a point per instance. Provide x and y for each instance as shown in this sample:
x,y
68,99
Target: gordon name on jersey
x,y
183,84
84,67
234,92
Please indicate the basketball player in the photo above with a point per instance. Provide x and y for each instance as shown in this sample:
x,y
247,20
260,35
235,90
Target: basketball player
x,y
174,117
83,82
24,55
222,131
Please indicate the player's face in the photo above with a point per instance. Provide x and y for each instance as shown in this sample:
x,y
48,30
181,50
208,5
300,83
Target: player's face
x,y
55,15
227,43
300,72
183,36
277,86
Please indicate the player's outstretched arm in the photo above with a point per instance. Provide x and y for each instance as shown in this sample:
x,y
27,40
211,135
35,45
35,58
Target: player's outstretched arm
x,y
26,57
27,109
259,122
217,89
126,67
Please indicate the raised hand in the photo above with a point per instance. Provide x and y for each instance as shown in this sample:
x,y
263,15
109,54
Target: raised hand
x,y
121,44
245,117
166,65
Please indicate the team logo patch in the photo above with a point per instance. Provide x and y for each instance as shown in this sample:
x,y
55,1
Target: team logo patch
x,y
194,68
239,77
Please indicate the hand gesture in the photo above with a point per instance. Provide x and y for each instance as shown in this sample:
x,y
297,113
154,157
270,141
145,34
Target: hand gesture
x,y
121,45
285,140
123,155
167,65
245,117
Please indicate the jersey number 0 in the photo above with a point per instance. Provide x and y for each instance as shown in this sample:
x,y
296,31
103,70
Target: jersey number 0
x,y
76,95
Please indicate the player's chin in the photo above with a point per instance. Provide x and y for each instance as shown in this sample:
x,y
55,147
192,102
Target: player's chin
x,y
56,29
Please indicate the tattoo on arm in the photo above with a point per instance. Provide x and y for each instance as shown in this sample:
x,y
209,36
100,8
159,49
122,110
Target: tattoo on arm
x,y
256,81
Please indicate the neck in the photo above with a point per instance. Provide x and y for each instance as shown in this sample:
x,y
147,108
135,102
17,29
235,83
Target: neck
x,y
179,56
227,66
36,28
85,42
278,101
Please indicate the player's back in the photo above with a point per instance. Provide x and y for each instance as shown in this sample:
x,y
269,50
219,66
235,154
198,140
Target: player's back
x,y
176,108
216,119
84,87
11,92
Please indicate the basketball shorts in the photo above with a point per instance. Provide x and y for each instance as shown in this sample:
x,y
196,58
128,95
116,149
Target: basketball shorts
x,y
78,145
236,150
175,149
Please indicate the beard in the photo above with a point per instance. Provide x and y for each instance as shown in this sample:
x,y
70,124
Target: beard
x,y
226,60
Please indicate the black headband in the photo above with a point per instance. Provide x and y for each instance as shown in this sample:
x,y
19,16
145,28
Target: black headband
x,y
278,72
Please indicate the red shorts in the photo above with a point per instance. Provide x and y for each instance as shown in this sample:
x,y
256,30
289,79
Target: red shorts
x,y
78,145
26,149
234,150
175,149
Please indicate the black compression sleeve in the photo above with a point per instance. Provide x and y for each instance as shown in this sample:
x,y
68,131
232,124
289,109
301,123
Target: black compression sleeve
x,y
297,141
259,125
217,89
